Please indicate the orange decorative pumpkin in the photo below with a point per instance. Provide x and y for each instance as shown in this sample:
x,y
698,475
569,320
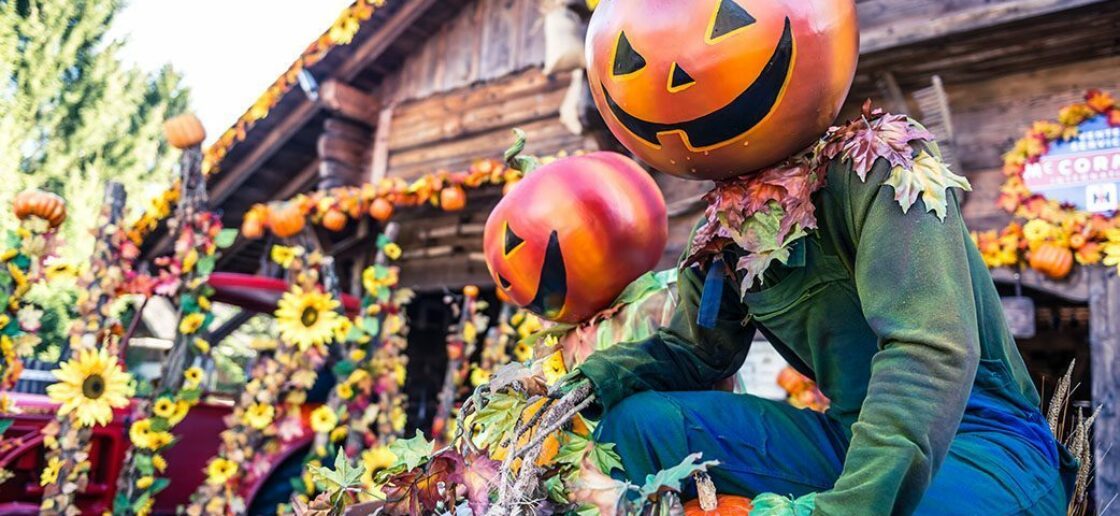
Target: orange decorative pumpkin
x,y
381,209
711,89
44,205
727,505
471,291
452,198
574,234
252,227
286,219
184,131
334,220
1053,261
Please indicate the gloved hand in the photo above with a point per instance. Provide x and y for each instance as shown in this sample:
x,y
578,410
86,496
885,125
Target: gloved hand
x,y
770,504
567,384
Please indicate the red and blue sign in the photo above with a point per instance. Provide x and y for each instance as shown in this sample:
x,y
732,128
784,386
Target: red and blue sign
x,y
1083,171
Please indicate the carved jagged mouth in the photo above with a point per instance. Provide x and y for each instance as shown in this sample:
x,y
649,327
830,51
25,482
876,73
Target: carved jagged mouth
x,y
553,286
730,121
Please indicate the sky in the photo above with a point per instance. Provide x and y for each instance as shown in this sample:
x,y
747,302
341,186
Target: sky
x,y
229,51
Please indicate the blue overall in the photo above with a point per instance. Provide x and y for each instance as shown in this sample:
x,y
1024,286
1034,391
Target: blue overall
x,y
1003,460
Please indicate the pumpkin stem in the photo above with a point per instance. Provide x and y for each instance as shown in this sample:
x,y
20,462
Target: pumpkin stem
x,y
513,157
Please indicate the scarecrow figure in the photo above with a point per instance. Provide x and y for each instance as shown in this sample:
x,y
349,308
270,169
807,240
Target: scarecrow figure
x,y
815,237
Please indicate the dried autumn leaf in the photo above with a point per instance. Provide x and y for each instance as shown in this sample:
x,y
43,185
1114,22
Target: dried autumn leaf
x,y
929,178
420,490
479,477
594,488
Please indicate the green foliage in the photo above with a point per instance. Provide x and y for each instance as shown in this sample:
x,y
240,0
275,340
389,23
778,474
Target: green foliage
x,y
72,115
673,479
411,452
770,504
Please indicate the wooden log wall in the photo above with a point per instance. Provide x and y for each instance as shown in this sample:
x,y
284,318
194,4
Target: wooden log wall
x,y
488,40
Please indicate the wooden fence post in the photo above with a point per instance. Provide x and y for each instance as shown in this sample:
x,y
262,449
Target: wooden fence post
x,y
1104,342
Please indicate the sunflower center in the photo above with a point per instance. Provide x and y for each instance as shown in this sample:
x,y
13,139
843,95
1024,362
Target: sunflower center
x,y
309,316
93,386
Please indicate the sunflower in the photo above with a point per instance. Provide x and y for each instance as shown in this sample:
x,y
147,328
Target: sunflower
x,y
307,319
193,376
140,433
181,409
345,391
323,419
159,462
259,415
523,352
91,386
553,368
219,471
50,473
144,482
392,251
164,408
191,323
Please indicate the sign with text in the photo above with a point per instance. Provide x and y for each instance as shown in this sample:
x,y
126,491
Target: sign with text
x,y
1083,171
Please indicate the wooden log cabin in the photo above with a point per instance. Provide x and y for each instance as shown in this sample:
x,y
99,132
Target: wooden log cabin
x,y
436,84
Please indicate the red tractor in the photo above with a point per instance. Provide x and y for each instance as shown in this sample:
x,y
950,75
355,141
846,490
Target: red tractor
x,y
22,451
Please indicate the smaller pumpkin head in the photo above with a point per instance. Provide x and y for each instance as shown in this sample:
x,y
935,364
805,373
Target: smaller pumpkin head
x,y
573,234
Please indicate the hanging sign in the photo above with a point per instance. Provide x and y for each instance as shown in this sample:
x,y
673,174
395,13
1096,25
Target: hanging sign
x,y
1083,171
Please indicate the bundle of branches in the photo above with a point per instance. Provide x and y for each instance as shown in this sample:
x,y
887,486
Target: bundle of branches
x,y
522,449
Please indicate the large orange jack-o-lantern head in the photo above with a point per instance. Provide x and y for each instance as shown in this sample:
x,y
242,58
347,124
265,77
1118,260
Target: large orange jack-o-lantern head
x,y
568,239
711,89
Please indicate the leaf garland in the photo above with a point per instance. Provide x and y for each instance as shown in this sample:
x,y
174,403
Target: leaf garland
x,y
761,214
183,278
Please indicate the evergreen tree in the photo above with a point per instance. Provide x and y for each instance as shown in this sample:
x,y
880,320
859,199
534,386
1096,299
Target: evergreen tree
x,y
72,115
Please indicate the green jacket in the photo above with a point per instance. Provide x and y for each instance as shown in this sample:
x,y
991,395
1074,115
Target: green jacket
x,y
891,313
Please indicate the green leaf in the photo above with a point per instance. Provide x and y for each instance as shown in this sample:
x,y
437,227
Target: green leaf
x,y
226,238
143,463
159,485
343,369
497,418
770,504
160,424
5,424
411,452
370,325
383,241
605,458
206,265
673,479
141,500
930,179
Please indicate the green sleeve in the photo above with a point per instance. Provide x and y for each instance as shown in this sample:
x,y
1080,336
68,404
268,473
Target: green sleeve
x,y
911,273
680,357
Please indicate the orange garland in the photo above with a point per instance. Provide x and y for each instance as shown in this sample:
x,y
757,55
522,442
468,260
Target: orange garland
x,y
1089,237
341,32
335,208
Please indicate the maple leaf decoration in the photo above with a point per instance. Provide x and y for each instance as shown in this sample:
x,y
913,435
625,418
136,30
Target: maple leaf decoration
x,y
421,489
761,214
928,177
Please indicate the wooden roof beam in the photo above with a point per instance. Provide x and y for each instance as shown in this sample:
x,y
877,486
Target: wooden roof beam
x,y
892,35
349,102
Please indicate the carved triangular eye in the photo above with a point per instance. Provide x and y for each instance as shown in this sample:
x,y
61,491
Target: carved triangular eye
x,y
626,59
729,18
512,240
